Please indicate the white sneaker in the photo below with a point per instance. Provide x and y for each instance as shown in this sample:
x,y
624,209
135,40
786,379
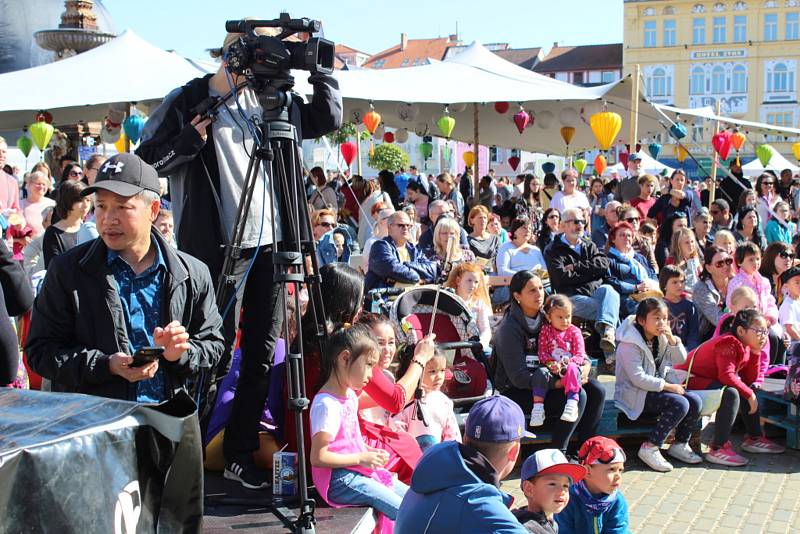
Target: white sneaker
x,y
684,453
570,413
652,457
537,414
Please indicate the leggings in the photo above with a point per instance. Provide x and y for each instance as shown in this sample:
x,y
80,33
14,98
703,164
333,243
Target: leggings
x,y
544,380
679,412
733,403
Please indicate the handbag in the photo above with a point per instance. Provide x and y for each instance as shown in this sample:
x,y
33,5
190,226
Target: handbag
x,y
711,398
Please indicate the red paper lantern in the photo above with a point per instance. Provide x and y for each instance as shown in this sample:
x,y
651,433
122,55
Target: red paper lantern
x,y
623,158
388,137
513,162
638,147
44,116
722,142
348,151
501,107
521,119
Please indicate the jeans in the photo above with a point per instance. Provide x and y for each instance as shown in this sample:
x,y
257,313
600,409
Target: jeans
x,y
261,322
731,404
349,487
681,412
602,307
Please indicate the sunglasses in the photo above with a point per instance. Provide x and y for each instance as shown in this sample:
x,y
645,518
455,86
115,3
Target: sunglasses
x,y
632,220
786,255
577,222
768,183
76,173
326,224
724,263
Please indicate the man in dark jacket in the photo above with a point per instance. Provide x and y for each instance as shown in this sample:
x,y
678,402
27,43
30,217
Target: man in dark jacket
x,y
128,289
395,259
207,164
579,270
436,210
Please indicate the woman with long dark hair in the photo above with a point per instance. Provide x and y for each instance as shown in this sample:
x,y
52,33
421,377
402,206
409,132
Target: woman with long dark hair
x,y
710,291
778,257
671,224
71,208
767,196
550,228
749,228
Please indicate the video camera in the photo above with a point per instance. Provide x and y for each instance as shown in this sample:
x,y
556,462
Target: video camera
x,y
266,57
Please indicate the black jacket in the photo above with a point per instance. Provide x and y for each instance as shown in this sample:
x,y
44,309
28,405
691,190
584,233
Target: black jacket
x,y
16,297
173,146
589,268
513,342
78,321
535,522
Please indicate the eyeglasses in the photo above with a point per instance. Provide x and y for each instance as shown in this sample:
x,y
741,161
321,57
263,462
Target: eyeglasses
x,y
727,262
403,225
326,224
786,255
768,183
577,222
632,220
760,332
76,173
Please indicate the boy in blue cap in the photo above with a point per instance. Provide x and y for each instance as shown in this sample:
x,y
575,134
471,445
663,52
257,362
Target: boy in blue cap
x,y
456,486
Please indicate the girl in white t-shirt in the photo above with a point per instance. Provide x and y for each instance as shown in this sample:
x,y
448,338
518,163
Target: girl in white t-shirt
x,y
469,282
345,470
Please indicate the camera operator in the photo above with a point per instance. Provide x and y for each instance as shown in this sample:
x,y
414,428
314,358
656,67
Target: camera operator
x,y
207,162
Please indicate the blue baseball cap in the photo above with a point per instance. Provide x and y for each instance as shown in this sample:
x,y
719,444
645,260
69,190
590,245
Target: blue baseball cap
x,y
550,462
496,419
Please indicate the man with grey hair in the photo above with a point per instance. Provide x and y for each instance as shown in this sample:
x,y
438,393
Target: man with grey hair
x,y
394,259
436,210
127,290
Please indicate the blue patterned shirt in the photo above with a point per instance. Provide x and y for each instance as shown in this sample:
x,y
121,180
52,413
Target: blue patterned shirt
x,y
141,304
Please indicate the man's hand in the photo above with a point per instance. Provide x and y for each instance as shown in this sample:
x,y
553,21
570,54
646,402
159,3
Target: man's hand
x,y
174,338
119,364
201,125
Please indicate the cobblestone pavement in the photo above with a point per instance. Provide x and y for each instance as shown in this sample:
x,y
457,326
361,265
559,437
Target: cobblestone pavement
x,y
709,499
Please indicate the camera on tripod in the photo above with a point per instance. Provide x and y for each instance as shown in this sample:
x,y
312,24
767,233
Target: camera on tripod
x,y
263,56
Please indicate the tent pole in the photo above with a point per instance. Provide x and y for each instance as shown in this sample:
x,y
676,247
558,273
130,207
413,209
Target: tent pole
x,y
358,152
713,186
634,108
475,178
127,140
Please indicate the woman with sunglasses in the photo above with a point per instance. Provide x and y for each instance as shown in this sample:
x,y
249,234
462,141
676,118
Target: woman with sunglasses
x,y
677,198
628,271
710,291
73,171
766,197
732,361
777,259
550,228
641,245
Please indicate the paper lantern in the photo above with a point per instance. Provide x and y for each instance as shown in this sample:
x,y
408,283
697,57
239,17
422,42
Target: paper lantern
x,y
567,133
120,144
521,119
580,165
623,158
600,164
737,140
605,126
371,121
41,133
796,150
426,149
378,133
25,144
501,107
446,123
348,151
678,131
764,154
460,107
388,137
568,117
544,119
548,166
407,112
681,153
513,162
721,142
401,135
44,116
654,149
628,147
133,127
469,158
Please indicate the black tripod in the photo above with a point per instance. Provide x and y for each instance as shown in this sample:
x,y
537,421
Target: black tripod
x,y
276,153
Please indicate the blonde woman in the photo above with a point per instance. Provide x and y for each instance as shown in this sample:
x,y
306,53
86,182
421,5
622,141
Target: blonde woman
x,y
469,282
448,231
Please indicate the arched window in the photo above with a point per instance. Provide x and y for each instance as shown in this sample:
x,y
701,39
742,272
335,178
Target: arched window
x,y
669,10
718,7
649,12
659,82
718,80
697,82
739,79
739,6
698,8
778,79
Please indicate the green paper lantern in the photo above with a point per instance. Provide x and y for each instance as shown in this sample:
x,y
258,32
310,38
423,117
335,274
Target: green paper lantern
x,y
580,165
426,149
446,123
25,144
41,133
764,154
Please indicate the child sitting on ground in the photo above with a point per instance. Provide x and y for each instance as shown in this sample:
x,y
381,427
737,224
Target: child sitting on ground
x,y
683,319
546,478
561,355
436,422
595,503
345,471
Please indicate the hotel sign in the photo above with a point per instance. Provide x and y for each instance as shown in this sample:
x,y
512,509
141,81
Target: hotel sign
x,y
719,54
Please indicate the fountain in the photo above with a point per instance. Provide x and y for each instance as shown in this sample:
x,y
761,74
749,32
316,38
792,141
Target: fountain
x,y
78,31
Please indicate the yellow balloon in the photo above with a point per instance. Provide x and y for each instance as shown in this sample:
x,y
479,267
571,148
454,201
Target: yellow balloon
x,y
469,158
796,150
605,126
120,143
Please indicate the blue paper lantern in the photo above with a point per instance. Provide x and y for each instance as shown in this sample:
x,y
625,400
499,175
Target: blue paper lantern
x,y
548,166
654,149
678,131
133,126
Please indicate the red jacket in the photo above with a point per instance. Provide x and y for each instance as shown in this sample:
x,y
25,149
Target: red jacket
x,y
724,360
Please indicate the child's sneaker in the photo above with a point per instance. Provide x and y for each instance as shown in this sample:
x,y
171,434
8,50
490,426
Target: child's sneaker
x,y
725,455
761,445
570,413
684,453
537,414
652,457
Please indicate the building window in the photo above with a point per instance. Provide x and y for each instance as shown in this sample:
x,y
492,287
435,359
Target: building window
x,y
594,76
792,26
650,34
780,118
719,29
649,12
562,76
698,8
779,79
404,63
658,83
770,4
699,31
771,27
697,82
697,131
494,155
717,80
577,77
739,6
609,76
739,79
739,28
669,10
719,7
379,64
669,32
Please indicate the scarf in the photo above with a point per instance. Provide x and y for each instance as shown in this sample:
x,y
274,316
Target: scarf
x,y
638,270
596,506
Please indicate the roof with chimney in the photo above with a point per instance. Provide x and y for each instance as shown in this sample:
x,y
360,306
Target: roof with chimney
x,y
411,52
577,58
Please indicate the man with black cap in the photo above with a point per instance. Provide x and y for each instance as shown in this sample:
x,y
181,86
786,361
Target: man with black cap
x,y
629,187
128,289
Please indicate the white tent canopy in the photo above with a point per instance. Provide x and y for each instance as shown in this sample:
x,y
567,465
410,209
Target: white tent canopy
x,y
709,114
649,166
776,164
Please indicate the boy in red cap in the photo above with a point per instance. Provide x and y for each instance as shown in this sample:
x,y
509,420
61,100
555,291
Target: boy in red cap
x,y
595,503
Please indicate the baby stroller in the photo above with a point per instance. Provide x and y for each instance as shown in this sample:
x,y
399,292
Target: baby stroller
x,y
468,377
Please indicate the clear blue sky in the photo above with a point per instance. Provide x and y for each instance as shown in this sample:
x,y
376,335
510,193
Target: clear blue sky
x,y
191,26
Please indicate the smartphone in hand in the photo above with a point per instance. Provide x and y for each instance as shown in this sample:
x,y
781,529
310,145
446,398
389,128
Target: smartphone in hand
x,y
146,355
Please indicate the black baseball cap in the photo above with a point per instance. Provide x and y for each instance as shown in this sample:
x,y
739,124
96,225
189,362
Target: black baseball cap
x,y
126,175
789,273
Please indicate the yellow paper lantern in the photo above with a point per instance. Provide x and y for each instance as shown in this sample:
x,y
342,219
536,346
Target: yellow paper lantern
x,y
605,126
120,143
567,133
796,150
681,153
469,158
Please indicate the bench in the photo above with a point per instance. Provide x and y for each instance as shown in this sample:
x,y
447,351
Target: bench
x,y
779,412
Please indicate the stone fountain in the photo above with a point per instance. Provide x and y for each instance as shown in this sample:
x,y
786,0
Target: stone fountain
x,y
78,31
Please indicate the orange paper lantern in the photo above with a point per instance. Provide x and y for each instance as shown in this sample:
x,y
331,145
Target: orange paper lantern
x,y
371,120
567,133
737,140
600,164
